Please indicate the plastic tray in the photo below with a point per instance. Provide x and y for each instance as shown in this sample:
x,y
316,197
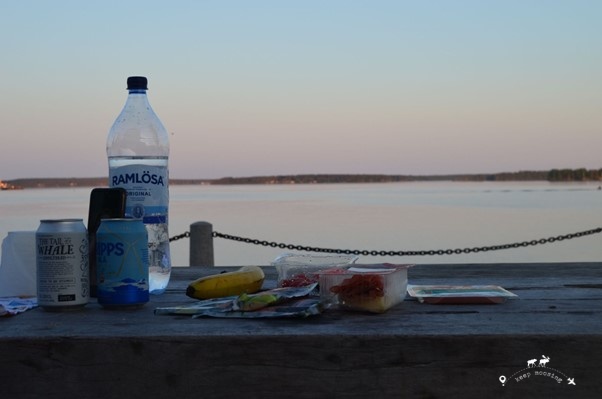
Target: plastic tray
x,y
460,294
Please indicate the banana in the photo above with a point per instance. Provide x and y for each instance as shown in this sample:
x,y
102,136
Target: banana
x,y
246,280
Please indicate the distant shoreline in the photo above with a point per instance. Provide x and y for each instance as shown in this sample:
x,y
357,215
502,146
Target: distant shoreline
x,y
553,175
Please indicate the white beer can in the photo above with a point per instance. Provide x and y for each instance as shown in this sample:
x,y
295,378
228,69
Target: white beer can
x,y
63,277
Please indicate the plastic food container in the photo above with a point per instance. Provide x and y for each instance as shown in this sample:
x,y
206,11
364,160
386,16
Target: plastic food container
x,y
298,270
370,288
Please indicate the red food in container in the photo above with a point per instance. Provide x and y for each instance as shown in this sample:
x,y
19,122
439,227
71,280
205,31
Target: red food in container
x,y
372,288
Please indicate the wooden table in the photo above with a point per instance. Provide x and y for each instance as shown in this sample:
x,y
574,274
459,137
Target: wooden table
x,y
414,350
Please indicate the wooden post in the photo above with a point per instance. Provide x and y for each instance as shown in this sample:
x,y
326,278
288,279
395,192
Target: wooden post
x,y
201,244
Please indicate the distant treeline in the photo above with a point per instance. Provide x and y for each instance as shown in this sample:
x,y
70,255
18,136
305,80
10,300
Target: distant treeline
x,y
81,182
581,174
551,175
554,175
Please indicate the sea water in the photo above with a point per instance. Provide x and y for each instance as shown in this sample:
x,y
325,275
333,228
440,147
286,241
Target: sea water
x,y
387,216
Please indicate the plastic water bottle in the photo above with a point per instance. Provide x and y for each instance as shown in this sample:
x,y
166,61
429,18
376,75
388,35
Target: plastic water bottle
x,y
138,151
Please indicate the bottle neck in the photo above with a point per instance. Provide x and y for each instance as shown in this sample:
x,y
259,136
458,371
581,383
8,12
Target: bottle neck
x,y
137,98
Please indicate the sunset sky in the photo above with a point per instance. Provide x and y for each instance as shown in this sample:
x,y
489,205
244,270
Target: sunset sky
x,y
288,87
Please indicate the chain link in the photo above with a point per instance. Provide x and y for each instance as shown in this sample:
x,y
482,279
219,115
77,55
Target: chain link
x,y
431,252
186,234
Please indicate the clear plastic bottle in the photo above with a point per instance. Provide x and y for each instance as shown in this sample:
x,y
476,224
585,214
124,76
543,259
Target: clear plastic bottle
x,y
138,151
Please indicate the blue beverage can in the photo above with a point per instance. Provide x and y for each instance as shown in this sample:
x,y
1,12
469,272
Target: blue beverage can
x,y
122,263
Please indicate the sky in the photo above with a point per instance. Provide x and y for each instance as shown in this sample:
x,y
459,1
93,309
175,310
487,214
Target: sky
x,y
248,88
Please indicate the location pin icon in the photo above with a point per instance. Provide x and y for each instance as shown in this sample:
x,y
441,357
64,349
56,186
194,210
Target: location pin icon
x,y
502,379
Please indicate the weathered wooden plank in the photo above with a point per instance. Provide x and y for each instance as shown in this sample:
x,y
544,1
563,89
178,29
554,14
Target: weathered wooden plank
x,y
549,306
301,366
414,350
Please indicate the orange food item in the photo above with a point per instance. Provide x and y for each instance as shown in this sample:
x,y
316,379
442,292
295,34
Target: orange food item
x,y
370,285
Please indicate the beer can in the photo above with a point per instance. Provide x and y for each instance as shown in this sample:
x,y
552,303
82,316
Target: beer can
x,y
63,279
122,263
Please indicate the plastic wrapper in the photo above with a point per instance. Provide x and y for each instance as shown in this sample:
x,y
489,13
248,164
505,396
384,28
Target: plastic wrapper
x,y
278,302
11,306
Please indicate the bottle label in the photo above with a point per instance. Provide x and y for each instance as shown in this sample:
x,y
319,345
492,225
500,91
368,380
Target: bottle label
x,y
147,191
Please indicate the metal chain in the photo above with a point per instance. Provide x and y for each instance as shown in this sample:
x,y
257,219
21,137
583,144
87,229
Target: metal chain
x,y
186,234
431,252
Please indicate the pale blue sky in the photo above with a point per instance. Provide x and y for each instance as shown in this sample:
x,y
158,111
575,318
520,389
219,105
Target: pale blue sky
x,y
278,87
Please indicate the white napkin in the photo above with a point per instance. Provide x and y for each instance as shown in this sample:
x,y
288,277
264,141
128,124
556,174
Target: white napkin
x,y
18,264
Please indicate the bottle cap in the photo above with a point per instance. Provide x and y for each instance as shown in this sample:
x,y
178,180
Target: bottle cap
x,y
137,83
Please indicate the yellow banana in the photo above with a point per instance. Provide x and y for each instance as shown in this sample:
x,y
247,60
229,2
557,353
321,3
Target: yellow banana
x,y
246,280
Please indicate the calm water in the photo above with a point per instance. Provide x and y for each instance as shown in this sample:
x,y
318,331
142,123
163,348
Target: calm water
x,y
392,216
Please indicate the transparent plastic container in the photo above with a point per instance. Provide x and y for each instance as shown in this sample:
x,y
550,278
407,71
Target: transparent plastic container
x,y
370,288
297,270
